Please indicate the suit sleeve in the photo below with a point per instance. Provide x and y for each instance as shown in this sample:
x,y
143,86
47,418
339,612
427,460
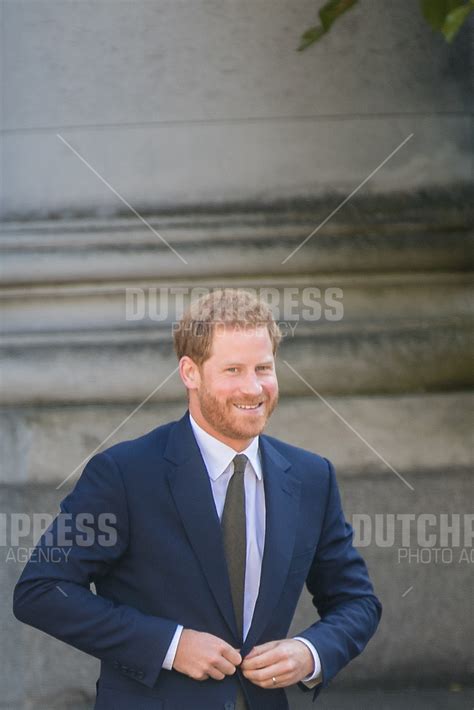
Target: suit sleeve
x,y
341,591
88,537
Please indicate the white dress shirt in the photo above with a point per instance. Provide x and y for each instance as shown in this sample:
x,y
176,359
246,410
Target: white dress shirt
x,y
218,459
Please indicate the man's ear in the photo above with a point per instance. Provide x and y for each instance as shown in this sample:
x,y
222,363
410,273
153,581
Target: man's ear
x,y
189,373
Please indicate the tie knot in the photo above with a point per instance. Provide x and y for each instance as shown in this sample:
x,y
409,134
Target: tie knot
x,y
240,461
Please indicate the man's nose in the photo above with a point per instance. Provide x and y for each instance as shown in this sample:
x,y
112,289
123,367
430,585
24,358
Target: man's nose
x,y
251,385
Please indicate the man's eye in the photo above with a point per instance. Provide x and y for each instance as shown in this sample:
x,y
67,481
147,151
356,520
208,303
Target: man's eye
x,y
231,369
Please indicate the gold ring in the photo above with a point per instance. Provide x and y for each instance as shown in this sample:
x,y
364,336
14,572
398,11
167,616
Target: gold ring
x,y
274,680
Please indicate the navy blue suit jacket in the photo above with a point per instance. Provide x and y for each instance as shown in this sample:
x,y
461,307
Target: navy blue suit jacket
x,y
166,565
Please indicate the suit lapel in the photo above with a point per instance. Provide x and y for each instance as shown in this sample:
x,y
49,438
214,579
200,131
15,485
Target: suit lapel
x,y
192,493
282,495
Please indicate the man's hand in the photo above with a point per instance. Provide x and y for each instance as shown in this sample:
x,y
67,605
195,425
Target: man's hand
x,y
287,661
202,656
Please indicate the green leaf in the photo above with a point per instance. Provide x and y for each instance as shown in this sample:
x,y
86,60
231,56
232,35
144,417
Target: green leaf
x,y
435,12
334,9
310,36
455,20
328,14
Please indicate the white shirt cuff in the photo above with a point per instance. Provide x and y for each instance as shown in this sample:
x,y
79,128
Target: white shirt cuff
x,y
315,677
173,647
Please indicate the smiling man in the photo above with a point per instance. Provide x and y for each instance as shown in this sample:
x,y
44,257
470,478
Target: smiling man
x,y
217,527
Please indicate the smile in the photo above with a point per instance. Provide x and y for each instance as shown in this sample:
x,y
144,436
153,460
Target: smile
x,y
248,406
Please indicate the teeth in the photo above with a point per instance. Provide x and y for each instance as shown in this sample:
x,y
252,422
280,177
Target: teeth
x,y
246,406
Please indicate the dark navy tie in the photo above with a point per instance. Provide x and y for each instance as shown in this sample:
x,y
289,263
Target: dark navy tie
x,y
234,536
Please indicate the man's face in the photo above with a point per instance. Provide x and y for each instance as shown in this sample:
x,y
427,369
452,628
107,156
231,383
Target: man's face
x,y
238,387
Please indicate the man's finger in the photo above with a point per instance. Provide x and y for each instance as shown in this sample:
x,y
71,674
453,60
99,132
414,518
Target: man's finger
x,y
232,655
258,650
264,678
260,675
264,659
224,666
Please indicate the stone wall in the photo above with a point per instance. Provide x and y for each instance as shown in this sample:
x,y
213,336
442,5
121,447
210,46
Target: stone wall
x,y
200,101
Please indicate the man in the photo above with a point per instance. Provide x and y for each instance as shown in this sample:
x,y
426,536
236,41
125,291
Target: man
x,y
216,529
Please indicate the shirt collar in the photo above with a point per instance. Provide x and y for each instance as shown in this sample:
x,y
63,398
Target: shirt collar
x,y
217,455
